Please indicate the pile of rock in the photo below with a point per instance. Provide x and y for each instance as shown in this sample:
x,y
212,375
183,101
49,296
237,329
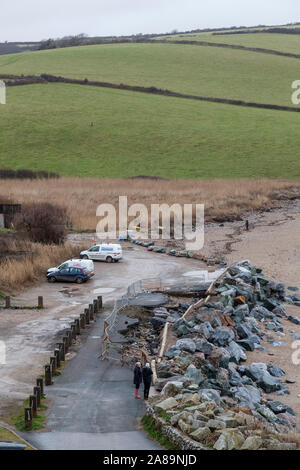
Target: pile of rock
x,y
206,391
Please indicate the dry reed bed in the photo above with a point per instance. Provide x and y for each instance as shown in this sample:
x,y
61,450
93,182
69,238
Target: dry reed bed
x,y
24,269
81,196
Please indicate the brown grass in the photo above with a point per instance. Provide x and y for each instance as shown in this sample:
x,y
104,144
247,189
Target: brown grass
x,y
223,199
28,263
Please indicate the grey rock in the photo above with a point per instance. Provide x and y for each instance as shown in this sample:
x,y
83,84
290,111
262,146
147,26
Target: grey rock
x,y
252,443
171,389
165,405
194,374
222,336
204,346
247,396
277,407
247,344
266,413
275,371
186,345
237,354
210,395
200,434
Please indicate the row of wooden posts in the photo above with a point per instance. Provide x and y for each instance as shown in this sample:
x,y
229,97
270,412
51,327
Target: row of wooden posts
x,y
39,305
89,315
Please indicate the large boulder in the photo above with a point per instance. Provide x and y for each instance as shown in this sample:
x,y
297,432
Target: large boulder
x,y
252,443
166,405
201,434
222,336
258,371
209,394
237,353
186,345
230,439
194,374
171,389
247,396
204,346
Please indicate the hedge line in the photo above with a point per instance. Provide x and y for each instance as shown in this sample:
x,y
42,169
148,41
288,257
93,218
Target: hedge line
x,y
230,46
47,78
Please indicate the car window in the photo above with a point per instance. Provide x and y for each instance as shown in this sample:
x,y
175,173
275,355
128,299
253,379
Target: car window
x,y
65,271
94,248
63,266
73,270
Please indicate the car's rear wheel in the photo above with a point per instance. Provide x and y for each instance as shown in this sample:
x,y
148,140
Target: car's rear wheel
x,y
52,279
79,280
109,259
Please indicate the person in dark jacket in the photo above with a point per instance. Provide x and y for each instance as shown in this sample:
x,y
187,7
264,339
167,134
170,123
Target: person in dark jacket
x,y
137,378
147,379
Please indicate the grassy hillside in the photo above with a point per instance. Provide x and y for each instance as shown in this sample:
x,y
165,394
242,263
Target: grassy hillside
x,y
48,127
199,70
277,42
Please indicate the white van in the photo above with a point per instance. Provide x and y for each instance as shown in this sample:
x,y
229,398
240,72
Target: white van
x,y
85,264
108,252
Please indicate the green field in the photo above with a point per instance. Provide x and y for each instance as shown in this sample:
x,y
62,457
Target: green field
x,y
277,42
206,71
48,127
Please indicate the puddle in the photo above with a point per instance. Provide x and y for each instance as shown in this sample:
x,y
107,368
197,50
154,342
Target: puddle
x,y
104,290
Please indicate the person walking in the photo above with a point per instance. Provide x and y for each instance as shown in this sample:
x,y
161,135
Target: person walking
x,y
147,379
137,378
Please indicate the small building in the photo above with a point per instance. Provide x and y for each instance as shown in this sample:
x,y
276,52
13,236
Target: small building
x,y
7,213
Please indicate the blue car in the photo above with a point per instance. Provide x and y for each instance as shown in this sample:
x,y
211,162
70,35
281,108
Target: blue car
x,y
69,275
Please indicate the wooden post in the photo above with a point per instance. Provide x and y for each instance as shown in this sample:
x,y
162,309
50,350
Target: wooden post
x,y
57,356
28,418
61,348
40,383
91,311
7,302
69,337
82,321
73,329
40,302
33,405
87,315
77,323
96,304
48,375
100,302
66,344
53,364
37,393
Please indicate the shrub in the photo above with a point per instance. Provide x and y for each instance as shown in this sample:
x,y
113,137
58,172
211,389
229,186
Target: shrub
x,y
44,222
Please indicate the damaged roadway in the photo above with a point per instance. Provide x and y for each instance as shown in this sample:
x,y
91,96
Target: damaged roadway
x,y
86,382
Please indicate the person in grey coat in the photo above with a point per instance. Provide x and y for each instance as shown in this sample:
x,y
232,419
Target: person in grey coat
x,y
147,379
